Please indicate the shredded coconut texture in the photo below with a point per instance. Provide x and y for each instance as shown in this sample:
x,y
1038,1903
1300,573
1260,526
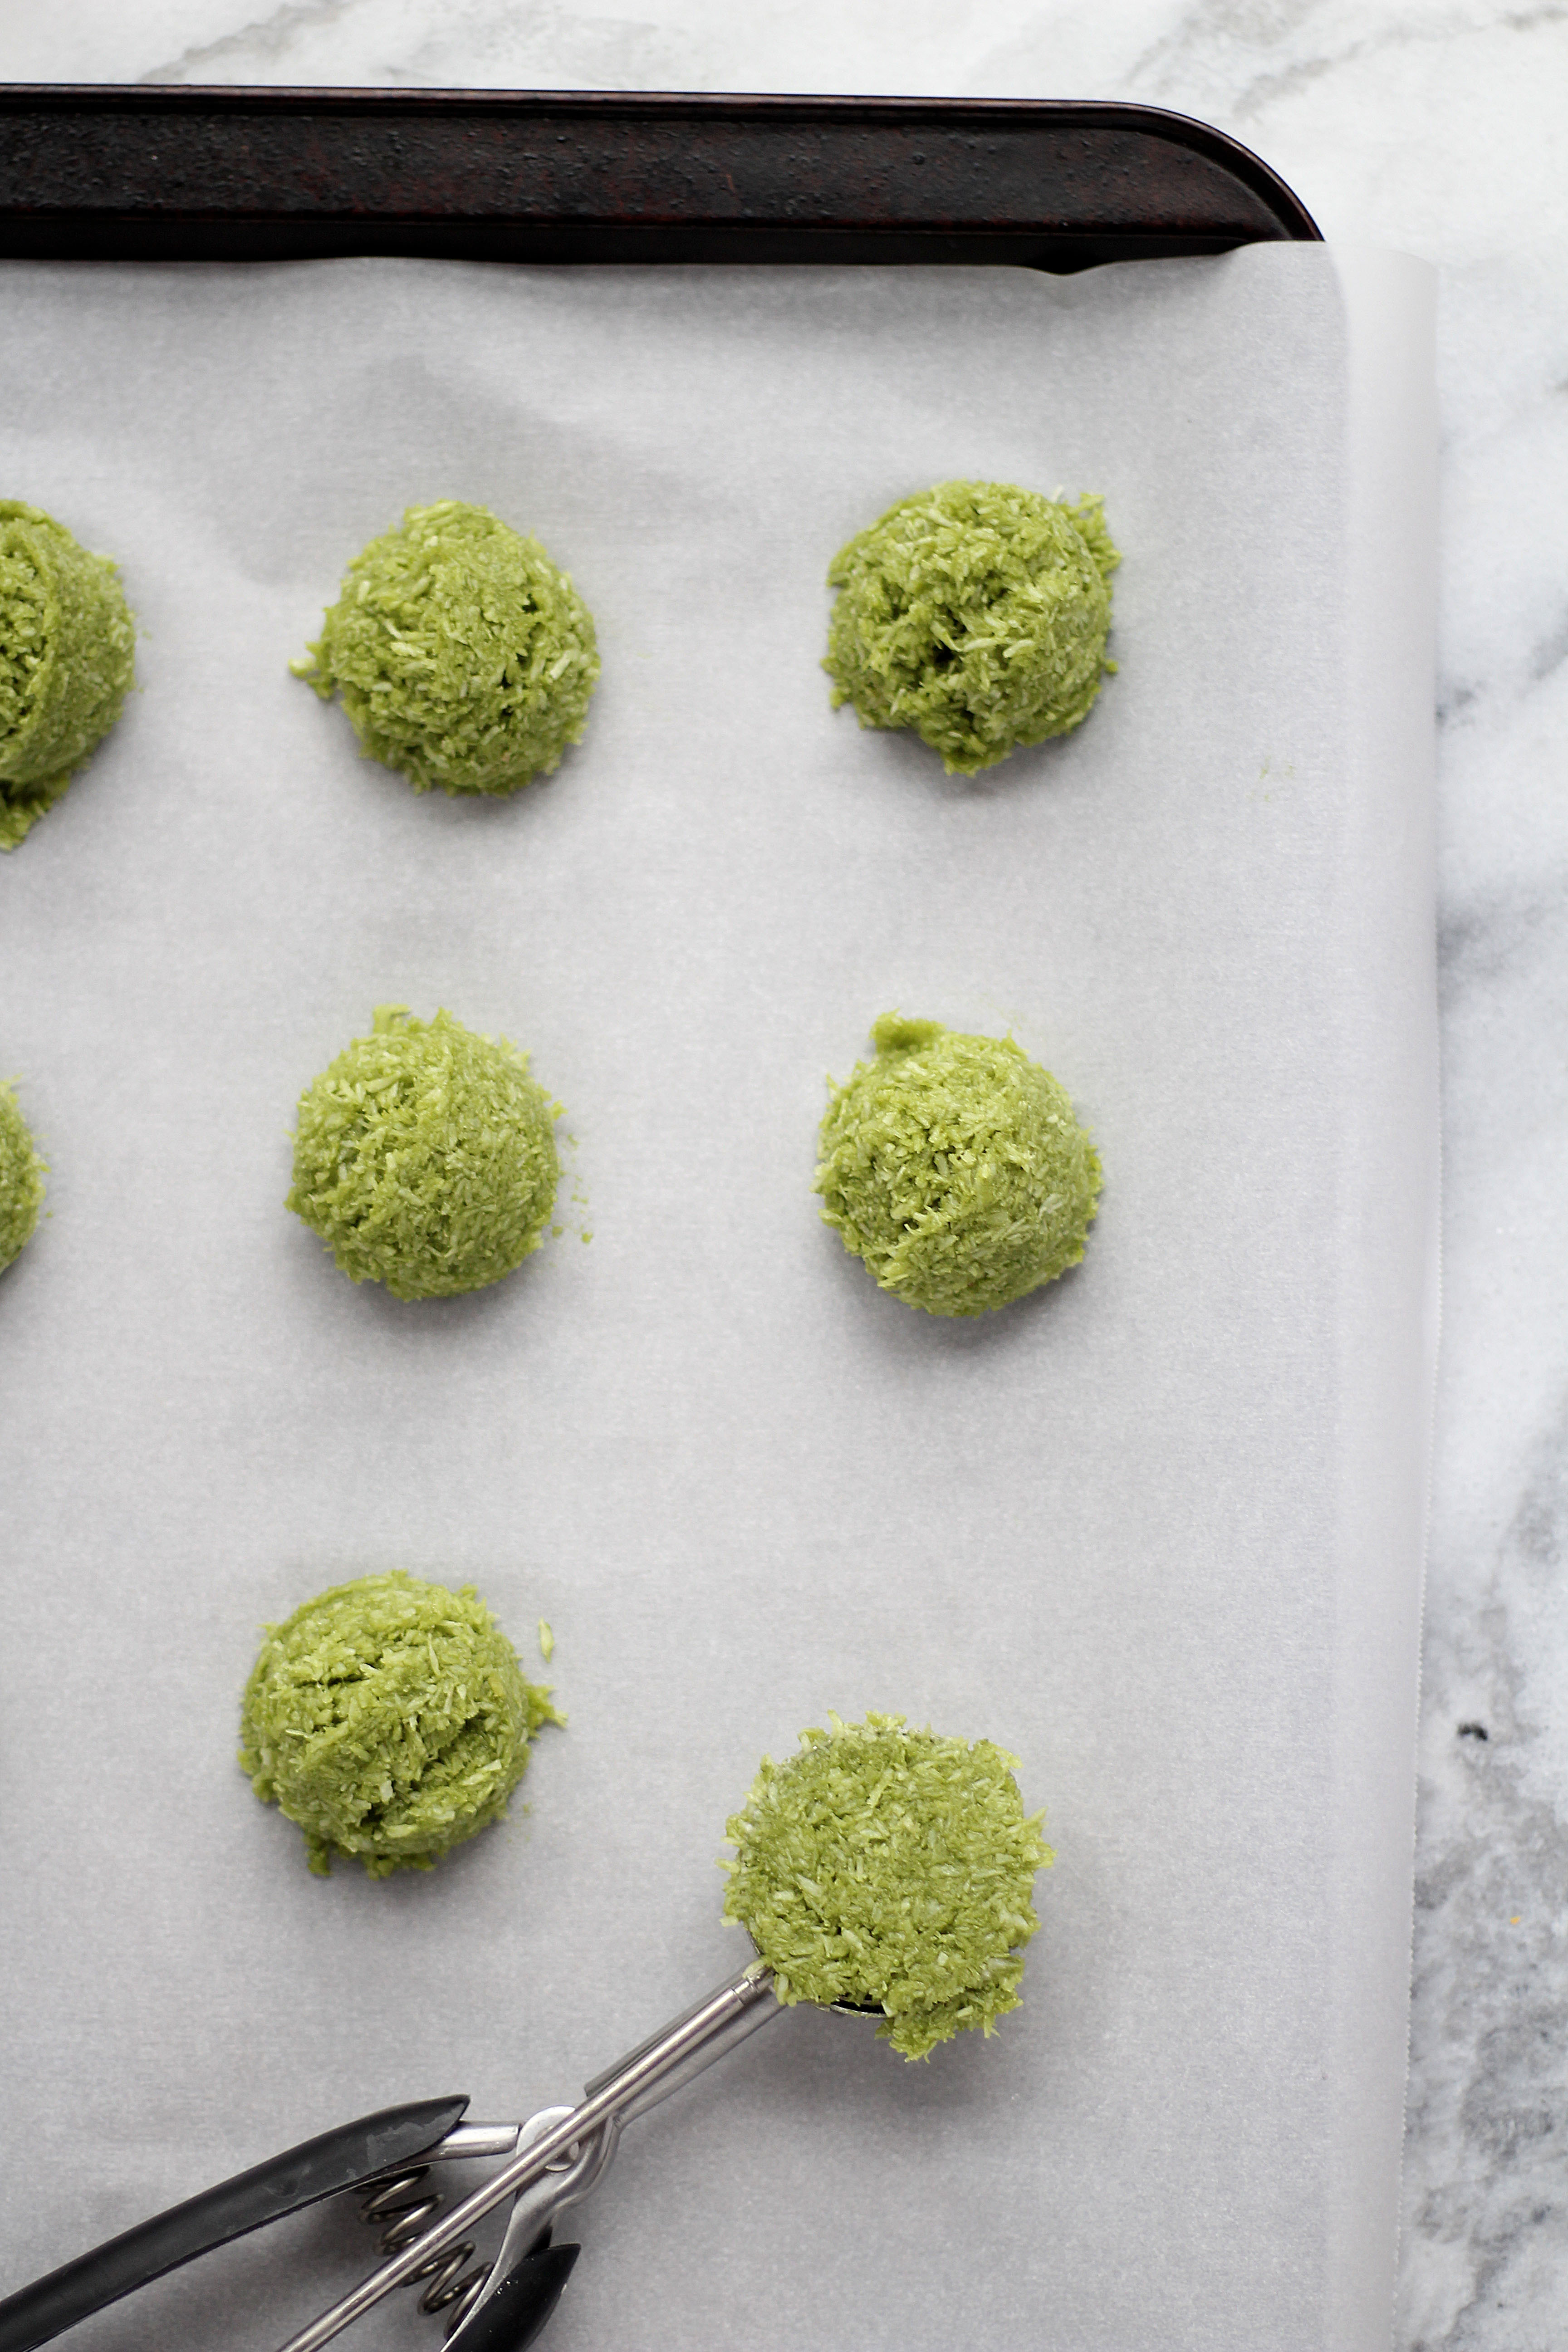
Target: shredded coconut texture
x,y
389,1718
891,1870
977,614
462,656
954,1166
425,1157
21,1178
66,661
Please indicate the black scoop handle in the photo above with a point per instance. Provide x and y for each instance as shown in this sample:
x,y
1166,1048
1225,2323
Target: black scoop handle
x,y
515,2313
355,2152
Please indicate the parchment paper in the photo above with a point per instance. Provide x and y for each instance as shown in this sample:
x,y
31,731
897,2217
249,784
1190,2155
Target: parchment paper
x,y
1157,1531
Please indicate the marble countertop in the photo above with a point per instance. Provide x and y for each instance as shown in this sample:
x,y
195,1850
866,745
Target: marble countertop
x,y
1437,126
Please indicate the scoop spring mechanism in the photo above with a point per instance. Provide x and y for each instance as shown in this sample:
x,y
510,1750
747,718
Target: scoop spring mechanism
x,y
406,2218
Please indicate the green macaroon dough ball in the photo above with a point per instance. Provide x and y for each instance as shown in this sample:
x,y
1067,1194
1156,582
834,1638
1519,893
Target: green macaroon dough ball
x,y
425,1157
21,1178
977,614
464,658
66,661
892,1870
954,1167
390,1719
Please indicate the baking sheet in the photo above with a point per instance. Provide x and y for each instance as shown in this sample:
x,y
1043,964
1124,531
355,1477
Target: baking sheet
x,y
1157,1529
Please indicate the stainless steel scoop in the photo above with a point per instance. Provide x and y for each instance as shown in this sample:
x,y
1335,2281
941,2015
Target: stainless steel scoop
x,y
561,2154
552,2161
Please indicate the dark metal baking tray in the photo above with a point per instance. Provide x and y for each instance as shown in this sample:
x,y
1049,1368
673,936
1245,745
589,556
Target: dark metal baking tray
x,y
174,173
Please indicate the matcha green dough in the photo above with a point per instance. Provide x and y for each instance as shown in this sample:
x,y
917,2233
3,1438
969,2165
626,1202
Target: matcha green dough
x,y
976,613
462,656
954,1167
389,1718
66,661
21,1179
425,1157
891,1870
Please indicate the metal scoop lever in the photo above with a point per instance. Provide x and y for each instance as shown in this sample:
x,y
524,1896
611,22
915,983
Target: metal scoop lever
x,y
585,2136
552,2160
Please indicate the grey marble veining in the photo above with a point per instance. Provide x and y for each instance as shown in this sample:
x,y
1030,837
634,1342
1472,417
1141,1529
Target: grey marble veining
x,y
1437,125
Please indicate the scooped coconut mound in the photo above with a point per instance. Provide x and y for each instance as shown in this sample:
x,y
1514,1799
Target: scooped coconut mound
x,y
954,1167
892,1870
390,1719
21,1178
977,614
425,1157
464,658
66,661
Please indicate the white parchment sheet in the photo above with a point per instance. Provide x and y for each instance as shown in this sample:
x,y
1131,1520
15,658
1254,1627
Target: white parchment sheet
x,y
1157,1529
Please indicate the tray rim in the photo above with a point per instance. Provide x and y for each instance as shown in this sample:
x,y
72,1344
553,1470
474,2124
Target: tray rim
x,y
271,207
